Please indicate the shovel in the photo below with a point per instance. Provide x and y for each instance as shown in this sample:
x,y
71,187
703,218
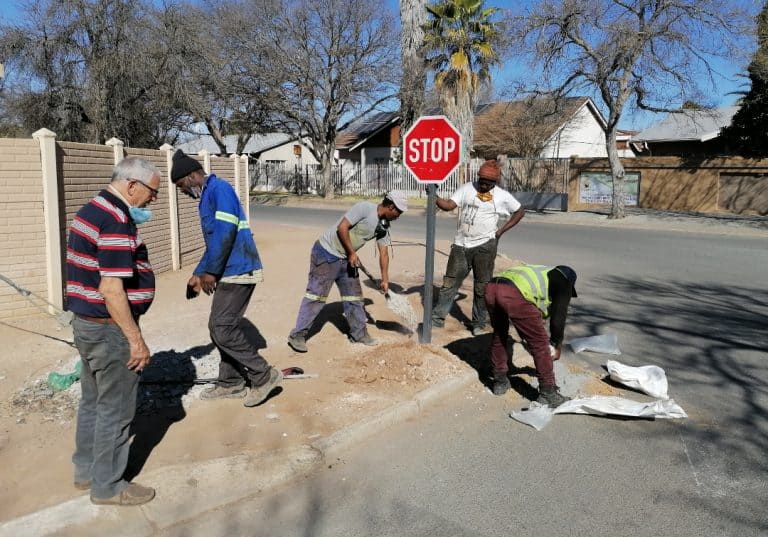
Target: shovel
x,y
397,303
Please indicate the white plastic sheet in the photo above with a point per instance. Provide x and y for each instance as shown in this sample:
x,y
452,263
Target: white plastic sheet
x,y
603,405
604,343
537,416
649,379
646,378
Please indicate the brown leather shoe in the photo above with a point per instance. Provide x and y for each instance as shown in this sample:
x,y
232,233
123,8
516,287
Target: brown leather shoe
x,y
133,494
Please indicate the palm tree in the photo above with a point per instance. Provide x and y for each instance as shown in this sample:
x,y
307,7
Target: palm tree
x,y
461,41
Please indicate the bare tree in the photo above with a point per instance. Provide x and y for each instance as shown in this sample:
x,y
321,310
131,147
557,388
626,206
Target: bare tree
x,y
413,17
219,70
518,128
646,53
89,70
331,62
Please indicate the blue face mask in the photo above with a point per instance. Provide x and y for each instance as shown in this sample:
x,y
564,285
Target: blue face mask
x,y
140,214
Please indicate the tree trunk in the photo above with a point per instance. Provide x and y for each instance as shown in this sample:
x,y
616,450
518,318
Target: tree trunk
x,y
413,16
326,172
617,171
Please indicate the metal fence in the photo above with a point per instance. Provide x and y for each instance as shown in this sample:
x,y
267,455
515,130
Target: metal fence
x,y
530,175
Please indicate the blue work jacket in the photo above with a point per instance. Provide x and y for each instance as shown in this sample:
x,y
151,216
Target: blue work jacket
x,y
229,246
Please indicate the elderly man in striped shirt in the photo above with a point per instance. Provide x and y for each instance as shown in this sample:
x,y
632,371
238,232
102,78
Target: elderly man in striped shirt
x,y
110,284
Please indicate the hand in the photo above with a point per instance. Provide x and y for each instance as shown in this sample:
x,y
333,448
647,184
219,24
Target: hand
x,y
192,292
208,283
353,260
139,355
384,286
555,352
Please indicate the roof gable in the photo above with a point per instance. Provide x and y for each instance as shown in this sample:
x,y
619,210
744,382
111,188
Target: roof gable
x,y
364,129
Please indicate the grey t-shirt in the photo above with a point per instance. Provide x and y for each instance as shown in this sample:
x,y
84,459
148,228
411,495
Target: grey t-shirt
x,y
363,220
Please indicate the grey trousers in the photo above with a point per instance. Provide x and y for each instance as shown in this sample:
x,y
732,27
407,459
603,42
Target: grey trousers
x,y
240,361
480,260
107,407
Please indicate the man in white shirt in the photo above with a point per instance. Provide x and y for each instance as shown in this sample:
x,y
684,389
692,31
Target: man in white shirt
x,y
481,205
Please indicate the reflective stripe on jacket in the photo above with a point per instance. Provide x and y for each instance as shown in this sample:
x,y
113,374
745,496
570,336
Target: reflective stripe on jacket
x,y
229,246
533,284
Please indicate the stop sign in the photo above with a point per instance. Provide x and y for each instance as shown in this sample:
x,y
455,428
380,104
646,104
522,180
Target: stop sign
x,y
432,149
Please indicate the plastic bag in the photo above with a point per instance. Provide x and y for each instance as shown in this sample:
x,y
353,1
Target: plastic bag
x,y
602,405
61,381
649,379
537,416
605,343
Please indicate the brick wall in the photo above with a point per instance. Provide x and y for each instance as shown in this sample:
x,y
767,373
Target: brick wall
x,y
82,170
677,184
22,229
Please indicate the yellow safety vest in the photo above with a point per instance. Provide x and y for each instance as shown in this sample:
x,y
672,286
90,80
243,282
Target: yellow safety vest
x,y
533,284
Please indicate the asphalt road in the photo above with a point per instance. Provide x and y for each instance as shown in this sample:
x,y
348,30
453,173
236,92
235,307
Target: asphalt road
x,y
692,303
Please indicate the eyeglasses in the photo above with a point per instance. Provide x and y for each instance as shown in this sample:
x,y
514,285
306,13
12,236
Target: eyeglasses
x,y
155,192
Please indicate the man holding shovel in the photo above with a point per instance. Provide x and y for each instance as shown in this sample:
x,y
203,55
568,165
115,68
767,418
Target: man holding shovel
x,y
334,259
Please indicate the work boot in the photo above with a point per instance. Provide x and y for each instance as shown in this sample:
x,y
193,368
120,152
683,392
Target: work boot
x,y
224,392
365,340
298,342
133,494
501,383
257,394
550,396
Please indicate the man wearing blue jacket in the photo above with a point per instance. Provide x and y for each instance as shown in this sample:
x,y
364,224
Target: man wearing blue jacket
x,y
229,269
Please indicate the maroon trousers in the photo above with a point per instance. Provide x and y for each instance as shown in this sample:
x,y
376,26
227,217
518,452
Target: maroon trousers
x,y
506,304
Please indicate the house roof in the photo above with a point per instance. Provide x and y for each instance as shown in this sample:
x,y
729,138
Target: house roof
x,y
363,129
698,125
516,109
257,144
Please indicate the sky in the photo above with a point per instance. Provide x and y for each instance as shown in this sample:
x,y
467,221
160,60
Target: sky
x,y
727,82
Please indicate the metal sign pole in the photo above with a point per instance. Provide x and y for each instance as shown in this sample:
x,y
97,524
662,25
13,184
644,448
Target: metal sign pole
x,y
429,265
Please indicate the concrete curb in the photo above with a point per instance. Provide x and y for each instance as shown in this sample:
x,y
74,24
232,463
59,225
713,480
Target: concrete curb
x,y
188,490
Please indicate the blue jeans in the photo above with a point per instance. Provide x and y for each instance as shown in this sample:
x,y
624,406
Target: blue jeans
x,y
480,260
107,407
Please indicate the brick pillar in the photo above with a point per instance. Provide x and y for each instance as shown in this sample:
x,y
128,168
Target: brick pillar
x,y
52,218
117,148
173,209
206,160
247,181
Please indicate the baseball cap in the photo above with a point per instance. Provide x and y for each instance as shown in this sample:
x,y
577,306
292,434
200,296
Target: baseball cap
x,y
399,198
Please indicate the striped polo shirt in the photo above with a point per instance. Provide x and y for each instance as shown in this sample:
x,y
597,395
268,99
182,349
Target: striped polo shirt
x,y
104,241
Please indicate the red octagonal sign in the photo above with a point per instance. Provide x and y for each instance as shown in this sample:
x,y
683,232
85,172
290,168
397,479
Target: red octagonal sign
x,y
432,149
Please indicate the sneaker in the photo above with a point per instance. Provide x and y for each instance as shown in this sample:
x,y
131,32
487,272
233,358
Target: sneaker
x,y
501,384
297,342
478,330
83,485
133,494
365,340
438,323
257,394
224,392
550,396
